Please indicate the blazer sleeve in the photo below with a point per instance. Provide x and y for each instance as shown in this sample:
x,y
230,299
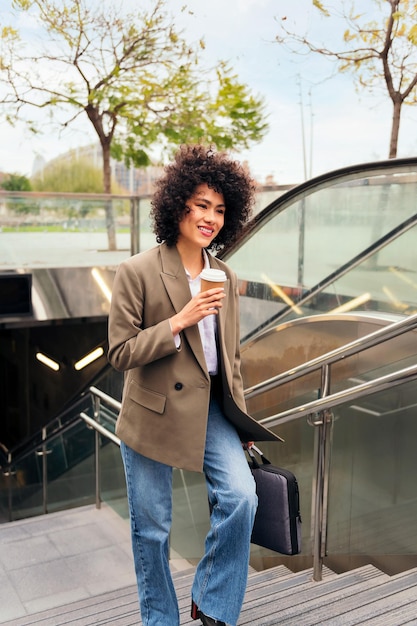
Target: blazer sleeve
x,y
130,343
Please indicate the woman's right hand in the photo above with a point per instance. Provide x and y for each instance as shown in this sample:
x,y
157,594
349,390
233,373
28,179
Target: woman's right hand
x,y
201,305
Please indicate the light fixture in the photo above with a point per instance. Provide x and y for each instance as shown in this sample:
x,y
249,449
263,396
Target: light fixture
x,y
403,277
352,304
101,283
281,293
89,358
397,303
53,365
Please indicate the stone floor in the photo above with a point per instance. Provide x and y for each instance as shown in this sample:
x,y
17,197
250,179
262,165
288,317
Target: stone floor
x,y
62,557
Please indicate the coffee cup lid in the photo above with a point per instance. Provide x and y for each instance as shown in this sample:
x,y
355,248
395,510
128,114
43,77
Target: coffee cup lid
x,y
214,275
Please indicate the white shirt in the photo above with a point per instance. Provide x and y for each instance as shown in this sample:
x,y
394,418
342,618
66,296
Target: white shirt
x,y
207,326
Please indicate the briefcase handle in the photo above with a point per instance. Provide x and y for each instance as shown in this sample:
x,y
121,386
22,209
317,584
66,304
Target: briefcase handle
x,y
253,461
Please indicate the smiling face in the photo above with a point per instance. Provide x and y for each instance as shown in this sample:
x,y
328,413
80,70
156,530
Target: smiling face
x,y
204,218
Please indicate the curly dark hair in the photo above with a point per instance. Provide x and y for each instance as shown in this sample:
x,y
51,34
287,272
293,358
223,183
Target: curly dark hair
x,y
194,165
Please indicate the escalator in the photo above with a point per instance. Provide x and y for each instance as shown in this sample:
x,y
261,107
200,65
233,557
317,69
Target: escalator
x,y
341,242
326,263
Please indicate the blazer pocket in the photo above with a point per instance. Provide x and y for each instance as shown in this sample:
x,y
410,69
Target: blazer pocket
x,y
147,398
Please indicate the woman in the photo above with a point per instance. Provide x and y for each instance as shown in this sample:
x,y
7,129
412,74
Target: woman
x,y
183,404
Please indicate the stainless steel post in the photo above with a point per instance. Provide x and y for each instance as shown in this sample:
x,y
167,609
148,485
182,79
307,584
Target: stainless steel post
x,y
96,404
322,449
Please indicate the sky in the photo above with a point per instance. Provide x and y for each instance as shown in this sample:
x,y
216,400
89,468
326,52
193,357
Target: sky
x,y
318,121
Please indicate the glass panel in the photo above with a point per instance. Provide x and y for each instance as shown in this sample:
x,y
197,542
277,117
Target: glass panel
x,y
190,515
317,232
191,510
47,230
71,470
22,489
70,475
74,230
373,491
146,236
385,282
113,485
295,454
108,418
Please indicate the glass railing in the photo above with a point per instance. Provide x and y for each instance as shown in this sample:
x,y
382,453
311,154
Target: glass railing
x,y
64,230
50,230
47,472
372,490
345,242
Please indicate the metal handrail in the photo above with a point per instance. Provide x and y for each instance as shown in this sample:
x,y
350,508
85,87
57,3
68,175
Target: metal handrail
x,y
319,413
115,404
330,358
329,402
100,428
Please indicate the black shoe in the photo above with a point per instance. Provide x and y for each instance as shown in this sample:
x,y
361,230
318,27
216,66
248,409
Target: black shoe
x,y
206,621
209,621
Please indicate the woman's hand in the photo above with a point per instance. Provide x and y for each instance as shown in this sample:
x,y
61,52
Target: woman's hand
x,y
248,444
204,303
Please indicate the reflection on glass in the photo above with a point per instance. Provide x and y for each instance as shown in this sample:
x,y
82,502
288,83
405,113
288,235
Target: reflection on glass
x,y
285,260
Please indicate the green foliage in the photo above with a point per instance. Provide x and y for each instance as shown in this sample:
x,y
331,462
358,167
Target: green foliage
x,y
16,182
69,175
135,77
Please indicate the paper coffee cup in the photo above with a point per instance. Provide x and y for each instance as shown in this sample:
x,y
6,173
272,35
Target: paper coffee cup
x,y
211,278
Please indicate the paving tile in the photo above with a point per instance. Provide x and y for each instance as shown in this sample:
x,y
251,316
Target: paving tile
x,y
62,557
10,603
45,578
109,569
12,531
19,554
80,540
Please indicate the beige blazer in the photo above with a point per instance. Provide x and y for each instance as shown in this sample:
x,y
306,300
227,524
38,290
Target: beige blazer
x,y
166,391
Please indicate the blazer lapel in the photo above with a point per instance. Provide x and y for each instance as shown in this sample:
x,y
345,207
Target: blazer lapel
x,y
178,290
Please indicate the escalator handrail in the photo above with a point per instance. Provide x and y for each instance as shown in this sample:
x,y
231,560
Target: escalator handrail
x,y
341,271
342,352
343,174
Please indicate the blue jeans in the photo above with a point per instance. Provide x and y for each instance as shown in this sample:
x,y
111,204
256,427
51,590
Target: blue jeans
x,y
221,576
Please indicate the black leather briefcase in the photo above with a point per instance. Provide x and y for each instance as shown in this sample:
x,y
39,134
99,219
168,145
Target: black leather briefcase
x,y
277,523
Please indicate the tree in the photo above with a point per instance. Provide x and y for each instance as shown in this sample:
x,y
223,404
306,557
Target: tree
x,y
382,50
72,175
16,182
134,76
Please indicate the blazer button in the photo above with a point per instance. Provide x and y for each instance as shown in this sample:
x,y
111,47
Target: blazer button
x,y
178,386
